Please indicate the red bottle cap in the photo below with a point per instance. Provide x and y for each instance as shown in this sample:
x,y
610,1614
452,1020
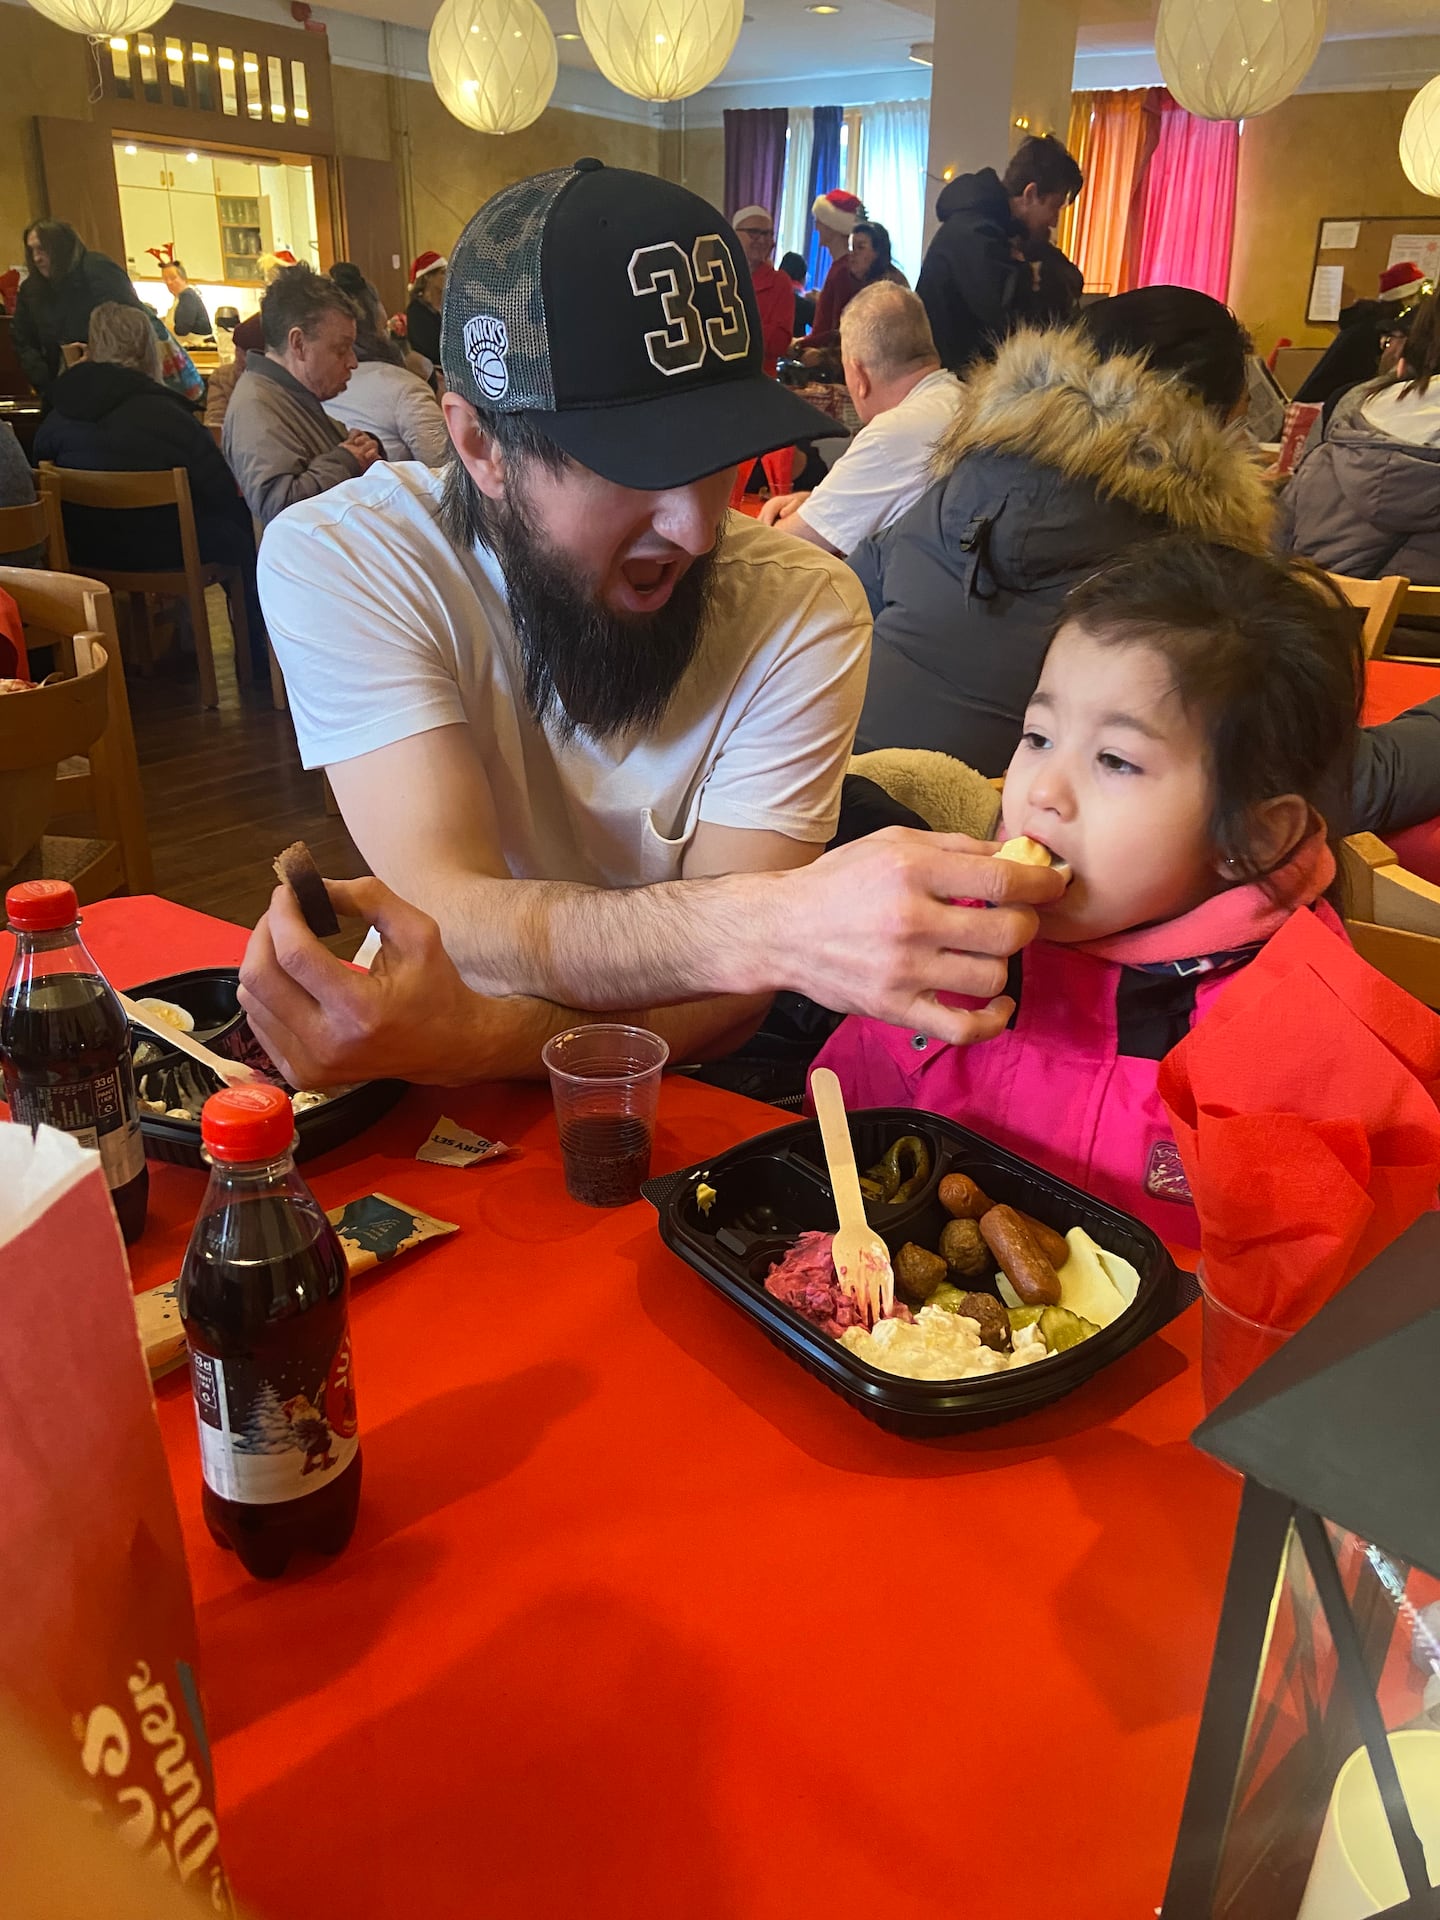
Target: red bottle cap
x,y
253,1122
42,906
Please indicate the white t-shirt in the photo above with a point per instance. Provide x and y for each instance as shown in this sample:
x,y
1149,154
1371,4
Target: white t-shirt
x,y
384,631
885,468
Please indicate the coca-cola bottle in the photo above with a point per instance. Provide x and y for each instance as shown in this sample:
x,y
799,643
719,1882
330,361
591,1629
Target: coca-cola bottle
x,y
264,1298
65,1043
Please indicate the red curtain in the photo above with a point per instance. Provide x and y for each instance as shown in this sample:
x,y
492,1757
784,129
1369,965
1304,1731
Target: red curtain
x,y
1188,218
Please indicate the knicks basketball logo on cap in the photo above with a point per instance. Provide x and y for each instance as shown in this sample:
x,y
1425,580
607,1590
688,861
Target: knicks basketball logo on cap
x,y
487,342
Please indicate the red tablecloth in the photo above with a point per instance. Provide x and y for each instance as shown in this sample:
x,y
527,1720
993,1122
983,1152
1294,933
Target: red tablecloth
x,y
640,1620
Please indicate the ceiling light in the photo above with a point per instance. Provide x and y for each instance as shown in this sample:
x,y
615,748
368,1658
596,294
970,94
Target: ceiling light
x,y
823,8
660,49
192,158
132,149
501,85
1229,59
923,53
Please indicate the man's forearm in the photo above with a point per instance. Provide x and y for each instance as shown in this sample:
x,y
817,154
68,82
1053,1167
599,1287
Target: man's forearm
x,y
608,949
505,1039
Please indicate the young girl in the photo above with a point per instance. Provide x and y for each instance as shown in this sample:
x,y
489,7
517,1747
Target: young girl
x,y
1194,716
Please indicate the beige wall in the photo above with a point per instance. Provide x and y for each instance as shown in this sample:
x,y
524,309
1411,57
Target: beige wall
x,y
44,69
452,170
695,157
1317,156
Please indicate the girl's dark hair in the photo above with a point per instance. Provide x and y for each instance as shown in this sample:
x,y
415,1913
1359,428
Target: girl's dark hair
x,y
1180,332
1267,658
880,241
1422,346
793,267
60,241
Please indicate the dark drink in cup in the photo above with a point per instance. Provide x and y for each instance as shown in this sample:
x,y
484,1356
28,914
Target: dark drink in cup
x,y
606,1084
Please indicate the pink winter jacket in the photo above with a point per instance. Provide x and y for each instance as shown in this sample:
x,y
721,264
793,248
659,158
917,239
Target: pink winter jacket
x,y
1071,1083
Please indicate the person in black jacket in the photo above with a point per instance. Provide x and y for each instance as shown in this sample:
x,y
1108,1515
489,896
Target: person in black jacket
x,y
190,316
65,284
993,266
427,296
110,414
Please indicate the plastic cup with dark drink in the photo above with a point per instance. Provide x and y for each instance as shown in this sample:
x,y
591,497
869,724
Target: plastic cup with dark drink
x,y
264,1297
65,1044
606,1083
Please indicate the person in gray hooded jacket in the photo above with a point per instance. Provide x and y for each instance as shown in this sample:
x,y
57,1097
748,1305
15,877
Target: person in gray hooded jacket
x,y
1365,500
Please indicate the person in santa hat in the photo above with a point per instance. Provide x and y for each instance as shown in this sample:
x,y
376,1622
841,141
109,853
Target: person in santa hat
x,y
837,214
427,296
1354,355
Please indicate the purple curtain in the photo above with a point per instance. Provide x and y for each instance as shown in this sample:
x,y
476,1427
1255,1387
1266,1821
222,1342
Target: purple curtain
x,y
754,158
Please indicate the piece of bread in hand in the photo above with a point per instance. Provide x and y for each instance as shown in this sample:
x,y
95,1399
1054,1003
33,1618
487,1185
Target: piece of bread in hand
x,y
1026,852
297,869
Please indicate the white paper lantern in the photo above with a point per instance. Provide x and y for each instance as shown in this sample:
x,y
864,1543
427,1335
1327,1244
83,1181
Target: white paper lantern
x,y
1420,139
493,62
1232,59
660,49
102,18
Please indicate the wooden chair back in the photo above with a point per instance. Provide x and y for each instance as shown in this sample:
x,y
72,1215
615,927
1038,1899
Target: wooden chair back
x,y
30,526
1380,601
64,611
39,729
1392,917
77,487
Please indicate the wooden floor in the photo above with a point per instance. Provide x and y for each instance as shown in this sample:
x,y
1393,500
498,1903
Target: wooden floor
x,y
224,790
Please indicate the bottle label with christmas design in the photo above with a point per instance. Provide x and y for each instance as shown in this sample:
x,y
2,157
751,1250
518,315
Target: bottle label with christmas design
x,y
276,1427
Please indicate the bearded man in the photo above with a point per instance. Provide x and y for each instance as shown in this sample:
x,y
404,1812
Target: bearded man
x,y
588,728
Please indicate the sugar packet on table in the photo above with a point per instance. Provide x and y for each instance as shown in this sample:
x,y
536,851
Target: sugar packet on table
x,y
372,1229
451,1145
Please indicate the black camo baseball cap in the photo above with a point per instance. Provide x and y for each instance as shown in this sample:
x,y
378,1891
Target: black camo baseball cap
x,y
616,310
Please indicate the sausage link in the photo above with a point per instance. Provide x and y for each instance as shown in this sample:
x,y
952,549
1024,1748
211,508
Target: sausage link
x,y
1024,1265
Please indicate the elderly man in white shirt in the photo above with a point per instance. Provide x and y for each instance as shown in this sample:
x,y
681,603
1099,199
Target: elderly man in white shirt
x,y
905,400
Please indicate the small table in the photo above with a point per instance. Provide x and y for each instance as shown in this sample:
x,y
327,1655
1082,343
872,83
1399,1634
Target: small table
x,y
639,1620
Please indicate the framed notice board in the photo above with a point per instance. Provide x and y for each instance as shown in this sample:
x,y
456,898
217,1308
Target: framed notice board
x,y
1351,270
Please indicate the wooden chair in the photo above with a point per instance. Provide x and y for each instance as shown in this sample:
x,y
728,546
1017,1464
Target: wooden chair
x,y
1380,601
1393,917
30,526
76,616
1419,609
74,487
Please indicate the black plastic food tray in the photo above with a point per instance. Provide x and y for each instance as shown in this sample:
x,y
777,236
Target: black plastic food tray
x,y
211,996
775,1187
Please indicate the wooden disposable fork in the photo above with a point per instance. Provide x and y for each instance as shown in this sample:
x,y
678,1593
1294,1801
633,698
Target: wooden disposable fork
x,y
862,1260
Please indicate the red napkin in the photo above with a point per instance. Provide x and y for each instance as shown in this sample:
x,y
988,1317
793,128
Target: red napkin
x,y
1304,1107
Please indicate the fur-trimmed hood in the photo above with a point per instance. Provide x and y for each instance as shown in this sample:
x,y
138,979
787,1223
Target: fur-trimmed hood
x,y
1135,435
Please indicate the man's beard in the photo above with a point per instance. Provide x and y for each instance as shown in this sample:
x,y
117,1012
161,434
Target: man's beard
x,y
587,669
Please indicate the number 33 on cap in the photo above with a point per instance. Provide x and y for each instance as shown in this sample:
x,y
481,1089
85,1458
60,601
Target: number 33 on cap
x,y
617,310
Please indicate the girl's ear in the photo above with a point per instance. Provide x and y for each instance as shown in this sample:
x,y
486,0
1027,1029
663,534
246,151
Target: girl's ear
x,y
1276,829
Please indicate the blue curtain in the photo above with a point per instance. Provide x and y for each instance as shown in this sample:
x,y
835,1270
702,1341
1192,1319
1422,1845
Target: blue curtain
x,y
824,174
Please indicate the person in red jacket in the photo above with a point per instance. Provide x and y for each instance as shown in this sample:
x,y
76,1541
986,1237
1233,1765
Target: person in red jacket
x,y
836,215
775,297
